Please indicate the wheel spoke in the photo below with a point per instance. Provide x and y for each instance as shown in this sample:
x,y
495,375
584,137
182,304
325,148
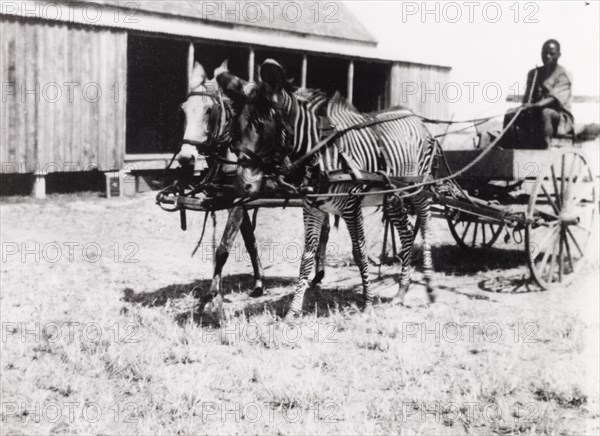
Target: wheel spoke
x,y
552,261
574,187
577,193
551,233
549,197
568,248
557,193
580,227
544,260
483,233
466,230
560,256
474,234
567,194
563,182
575,242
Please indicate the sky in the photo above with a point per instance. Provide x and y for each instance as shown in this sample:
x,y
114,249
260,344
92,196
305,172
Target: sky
x,y
481,41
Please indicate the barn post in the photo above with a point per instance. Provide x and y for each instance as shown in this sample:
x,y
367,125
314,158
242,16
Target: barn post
x,y
304,71
350,93
251,65
191,59
39,184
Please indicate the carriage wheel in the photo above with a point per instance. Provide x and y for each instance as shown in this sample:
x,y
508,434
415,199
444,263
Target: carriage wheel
x,y
470,231
560,215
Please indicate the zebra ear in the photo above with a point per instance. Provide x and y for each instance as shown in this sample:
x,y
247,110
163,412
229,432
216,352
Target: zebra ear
x,y
234,87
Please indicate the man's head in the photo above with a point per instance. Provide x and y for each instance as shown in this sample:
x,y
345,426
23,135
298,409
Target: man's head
x,y
550,53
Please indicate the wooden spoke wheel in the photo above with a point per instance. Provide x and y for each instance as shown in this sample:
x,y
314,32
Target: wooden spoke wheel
x,y
561,214
470,231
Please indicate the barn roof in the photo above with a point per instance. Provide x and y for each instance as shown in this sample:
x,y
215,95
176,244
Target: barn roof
x,y
336,32
323,19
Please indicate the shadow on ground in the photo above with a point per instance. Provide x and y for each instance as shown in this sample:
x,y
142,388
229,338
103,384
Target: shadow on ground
x,y
451,259
241,283
320,301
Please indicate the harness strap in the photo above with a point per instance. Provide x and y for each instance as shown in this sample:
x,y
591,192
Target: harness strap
x,y
340,176
349,163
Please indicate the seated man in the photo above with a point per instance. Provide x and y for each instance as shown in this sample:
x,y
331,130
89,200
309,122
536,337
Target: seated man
x,y
546,108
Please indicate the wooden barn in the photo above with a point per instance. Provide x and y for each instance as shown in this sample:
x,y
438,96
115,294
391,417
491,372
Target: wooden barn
x,y
94,86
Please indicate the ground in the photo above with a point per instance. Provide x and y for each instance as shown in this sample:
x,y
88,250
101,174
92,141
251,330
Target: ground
x,y
98,337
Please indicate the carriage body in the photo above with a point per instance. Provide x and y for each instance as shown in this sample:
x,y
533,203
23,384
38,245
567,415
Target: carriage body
x,y
550,195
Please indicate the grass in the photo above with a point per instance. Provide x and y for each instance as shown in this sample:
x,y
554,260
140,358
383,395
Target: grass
x,y
479,361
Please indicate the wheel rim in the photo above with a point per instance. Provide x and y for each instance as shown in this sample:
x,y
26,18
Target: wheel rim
x,y
561,213
470,231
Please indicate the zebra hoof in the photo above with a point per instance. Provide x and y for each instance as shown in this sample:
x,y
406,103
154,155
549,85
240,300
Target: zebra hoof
x,y
318,278
216,306
368,310
290,317
398,299
258,290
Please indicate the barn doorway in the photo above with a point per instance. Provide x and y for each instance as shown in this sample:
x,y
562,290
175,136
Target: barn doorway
x,y
328,74
370,86
211,55
156,86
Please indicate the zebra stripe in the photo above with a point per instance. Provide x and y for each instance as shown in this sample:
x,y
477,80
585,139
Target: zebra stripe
x,y
398,147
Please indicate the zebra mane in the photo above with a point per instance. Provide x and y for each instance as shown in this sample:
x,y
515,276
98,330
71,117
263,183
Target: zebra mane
x,y
309,94
339,101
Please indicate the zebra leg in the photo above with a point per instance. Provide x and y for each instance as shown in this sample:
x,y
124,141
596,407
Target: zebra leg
x,y
234,221
247,230
313,222
353,217
321,252
422,204
398,216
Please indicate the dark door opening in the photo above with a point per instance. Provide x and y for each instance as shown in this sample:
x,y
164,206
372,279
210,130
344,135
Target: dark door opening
x,y
156,86
328,74
370,85
212,55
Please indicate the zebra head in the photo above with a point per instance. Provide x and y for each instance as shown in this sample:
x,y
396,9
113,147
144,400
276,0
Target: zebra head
x,y
206,119
258,136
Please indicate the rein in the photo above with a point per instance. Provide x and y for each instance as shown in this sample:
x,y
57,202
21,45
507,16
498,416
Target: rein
x,y
326,141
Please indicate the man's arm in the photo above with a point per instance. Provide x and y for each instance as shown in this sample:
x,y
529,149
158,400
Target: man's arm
x,y
529,88
545,102
559,91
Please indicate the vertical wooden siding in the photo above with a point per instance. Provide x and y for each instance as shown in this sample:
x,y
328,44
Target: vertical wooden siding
x,y
42,128
420,88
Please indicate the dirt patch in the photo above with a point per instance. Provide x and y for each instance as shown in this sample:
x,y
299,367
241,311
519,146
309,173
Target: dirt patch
x,y
97,310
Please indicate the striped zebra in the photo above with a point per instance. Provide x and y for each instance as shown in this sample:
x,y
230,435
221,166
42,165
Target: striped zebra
x,y
400,146
208,115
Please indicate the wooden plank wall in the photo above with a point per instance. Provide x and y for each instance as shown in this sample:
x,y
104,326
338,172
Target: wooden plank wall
x,y
45,122
420,88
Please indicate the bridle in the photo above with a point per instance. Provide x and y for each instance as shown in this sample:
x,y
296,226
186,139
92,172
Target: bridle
x,y
218,129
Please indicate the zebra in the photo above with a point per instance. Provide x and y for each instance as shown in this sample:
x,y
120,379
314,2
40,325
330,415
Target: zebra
x,y
397,143
207,118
